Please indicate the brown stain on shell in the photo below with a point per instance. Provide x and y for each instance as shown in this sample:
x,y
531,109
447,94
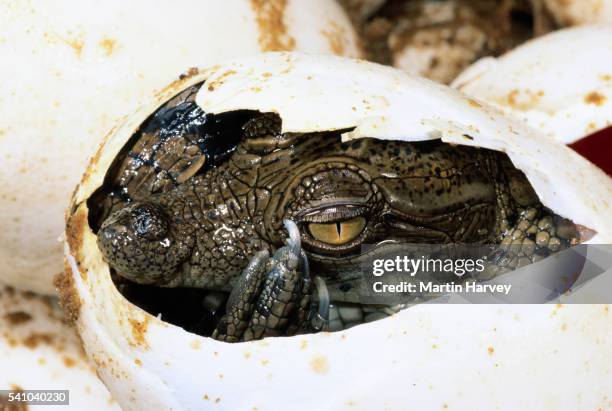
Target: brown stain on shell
x,y
173,87
10,340
35,339
72,41
15,318
605,77
319,364
69,362
76,45
139,330
523,100
64,283
192,71
273,33
69,299
335,37
556,310
108,45
474,103
595,98
219,80
5,405
76,227
60,339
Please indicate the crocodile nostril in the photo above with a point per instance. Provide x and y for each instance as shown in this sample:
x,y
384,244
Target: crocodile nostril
x,y
149,221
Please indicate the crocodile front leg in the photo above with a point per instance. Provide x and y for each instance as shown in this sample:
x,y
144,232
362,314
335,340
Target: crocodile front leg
x,y
272,297
536,234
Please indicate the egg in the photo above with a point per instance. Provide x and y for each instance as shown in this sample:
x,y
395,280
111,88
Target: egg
x,y
438,39
571,13
560,83
73,69
40,352
428,356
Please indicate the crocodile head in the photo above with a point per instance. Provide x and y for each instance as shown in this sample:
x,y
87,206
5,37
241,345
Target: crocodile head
x,y
179,215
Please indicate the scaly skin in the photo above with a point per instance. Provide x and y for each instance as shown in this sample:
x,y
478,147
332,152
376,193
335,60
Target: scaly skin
x,y
199,226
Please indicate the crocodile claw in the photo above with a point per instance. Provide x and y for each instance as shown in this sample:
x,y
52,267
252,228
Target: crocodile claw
x,y
273,296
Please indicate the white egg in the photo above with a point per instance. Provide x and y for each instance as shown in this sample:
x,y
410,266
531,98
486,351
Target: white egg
x,y
428,356
39,352
571,13
560,83
72,69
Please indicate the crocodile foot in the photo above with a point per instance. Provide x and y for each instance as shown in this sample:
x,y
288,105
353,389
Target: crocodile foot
x,y
536,234
273,296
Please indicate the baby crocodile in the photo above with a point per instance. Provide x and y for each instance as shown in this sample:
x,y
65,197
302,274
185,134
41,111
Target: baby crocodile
x,y
203,201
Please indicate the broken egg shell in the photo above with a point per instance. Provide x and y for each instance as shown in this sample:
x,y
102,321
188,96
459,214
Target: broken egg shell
x,y
385,103
560,83
76,68
577,12
427,355
38,351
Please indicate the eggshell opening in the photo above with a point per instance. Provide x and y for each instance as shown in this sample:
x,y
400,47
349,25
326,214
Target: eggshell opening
x,y
427,355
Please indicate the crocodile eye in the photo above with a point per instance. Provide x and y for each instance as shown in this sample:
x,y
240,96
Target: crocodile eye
x,y
337,233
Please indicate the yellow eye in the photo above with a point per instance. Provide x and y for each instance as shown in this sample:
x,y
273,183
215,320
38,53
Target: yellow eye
x,y
337,233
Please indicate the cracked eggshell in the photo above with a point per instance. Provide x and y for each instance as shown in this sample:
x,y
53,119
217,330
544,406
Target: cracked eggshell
x,y
576,12
428,355
560,83
73,69
38,351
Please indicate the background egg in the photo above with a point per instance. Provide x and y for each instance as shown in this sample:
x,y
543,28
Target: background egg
x,y
571,13
40,352
560,83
